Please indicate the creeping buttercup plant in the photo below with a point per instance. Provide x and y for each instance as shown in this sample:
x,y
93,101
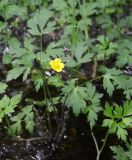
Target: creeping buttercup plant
x,y
83,63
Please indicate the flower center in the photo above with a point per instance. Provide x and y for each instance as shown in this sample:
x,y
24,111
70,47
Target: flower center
x,y
56,65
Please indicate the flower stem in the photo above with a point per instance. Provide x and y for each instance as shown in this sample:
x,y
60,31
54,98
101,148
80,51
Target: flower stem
x,y
45,88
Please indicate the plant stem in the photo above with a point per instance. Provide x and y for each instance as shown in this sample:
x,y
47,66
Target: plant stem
x,y
46,100
95,66
56,117
99,151
104,143
95,142
41,43
74,29
92,80
5,20
62,124
96,78
78,74
45,88
86,32
86,27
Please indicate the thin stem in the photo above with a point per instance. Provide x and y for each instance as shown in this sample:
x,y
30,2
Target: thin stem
x,y
95,66
85,18
86,32
63,109
48,114
46,100
48,92
92,80
74,28
5,20
45,89
45,94
41,43
104,143
95,142
99,151
62,120
96,78
78,74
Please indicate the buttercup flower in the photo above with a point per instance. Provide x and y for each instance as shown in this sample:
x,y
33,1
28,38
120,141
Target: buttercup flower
x,y
57,65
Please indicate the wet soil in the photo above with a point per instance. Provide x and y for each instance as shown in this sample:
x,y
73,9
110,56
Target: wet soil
x,y
76,144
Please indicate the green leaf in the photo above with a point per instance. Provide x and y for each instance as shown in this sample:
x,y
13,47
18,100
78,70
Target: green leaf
x,y
7,105
12,104
15,129
12,10
27,109
7,58
108,122
15,73
29,116
127,108
2,26
92,117
120,152
129,153
55,81
87,9
124,56
127,121
105,48
128,88
121,133
118,111
72,3
29,121
107,84
113,78
79,53
26,116
108,112
120,118
76,101
68,88
30,126
26,73
38,81
93,106
3,87
15,100
39,24
59,5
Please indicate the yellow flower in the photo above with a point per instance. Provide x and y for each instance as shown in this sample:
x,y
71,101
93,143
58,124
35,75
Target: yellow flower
x,y
57,65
